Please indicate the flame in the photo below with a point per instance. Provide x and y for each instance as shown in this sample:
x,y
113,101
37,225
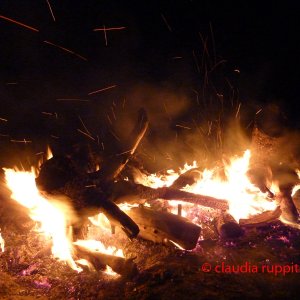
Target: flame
x,y
52,216
98,246
297,187
244,198
109,271
163,180
2,243
49,153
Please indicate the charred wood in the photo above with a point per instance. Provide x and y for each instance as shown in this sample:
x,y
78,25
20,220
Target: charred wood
x,y
130,192
261,219
161,226
227,227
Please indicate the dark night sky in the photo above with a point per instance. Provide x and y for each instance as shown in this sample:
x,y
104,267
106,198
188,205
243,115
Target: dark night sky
x,y
261,40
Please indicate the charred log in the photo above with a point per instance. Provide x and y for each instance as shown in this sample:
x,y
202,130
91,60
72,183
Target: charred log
x,y
130,192
261,219
188,178
227,227
161,226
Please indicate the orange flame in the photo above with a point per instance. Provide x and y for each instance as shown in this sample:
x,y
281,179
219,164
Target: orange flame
x,y
244,198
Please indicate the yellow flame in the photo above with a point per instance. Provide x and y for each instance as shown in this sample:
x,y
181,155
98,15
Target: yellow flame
x,y
49,154
297,187
109,271
244,198
50,215
2,243
100,247
162,180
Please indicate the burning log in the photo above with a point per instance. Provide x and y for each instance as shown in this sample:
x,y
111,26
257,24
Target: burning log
x,y
227,227
134,193
187,178
261,219
161,226
122,266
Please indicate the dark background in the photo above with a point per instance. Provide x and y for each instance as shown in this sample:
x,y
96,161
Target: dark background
x,y
164,68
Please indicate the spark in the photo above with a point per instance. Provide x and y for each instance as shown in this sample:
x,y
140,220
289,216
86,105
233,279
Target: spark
x,y
102,90
125,152
177,57
39,153
86,134
47,113
66,50
109,120
115,136
113,113
237,71
4,120
51,11
11,83
196,61
258,111
85,128
18,23
54,136
104,29
4,135
109,28
181,126
166,22
238,110
21,141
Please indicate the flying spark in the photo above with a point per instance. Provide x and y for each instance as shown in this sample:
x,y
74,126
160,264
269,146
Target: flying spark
x,y
102,90
18,23
105,29
66,50
21,141
51,11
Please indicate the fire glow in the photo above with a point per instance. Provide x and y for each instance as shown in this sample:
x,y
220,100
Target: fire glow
x,y
243,197
55,217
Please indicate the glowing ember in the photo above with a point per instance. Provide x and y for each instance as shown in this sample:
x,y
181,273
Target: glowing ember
x,y
244,198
